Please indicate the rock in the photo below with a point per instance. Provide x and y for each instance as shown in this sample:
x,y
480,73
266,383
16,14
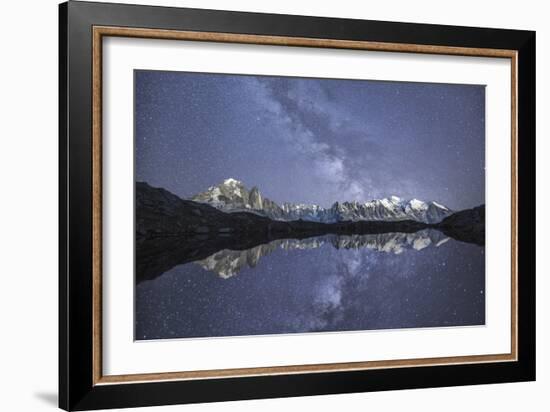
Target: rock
x,y
466,225
255,199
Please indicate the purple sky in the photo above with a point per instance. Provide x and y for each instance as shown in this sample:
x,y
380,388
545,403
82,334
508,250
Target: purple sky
x,y
311,140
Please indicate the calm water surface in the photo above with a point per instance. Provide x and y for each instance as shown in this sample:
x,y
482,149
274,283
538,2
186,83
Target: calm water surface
x,y
328,283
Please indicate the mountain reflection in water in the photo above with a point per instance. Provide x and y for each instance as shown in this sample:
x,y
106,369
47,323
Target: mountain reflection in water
x,y
318,284
227,263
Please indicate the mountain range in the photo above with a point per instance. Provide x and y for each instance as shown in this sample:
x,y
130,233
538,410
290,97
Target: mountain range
x,y
232,196
171,231
227,262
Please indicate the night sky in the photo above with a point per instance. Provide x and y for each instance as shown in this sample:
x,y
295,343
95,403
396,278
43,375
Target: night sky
x,y
311,140
314,290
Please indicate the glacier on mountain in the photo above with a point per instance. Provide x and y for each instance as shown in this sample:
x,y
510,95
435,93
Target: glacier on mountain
x,y
232,196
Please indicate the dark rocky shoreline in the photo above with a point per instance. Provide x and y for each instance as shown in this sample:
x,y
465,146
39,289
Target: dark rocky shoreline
x,y
171,231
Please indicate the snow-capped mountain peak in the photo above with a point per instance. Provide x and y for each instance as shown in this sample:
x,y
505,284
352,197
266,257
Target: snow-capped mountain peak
x,y
416,204
232,182
440,205
232,196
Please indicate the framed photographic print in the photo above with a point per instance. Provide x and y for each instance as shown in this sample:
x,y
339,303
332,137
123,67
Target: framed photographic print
x,y
257,205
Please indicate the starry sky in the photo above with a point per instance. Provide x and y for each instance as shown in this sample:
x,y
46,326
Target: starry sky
x,y
318,290
311,140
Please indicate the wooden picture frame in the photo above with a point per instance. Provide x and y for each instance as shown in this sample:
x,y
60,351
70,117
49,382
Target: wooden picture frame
x,y
82,384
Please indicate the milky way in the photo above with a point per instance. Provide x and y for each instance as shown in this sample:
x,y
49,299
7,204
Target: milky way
x,y
314,141
318,290
311,140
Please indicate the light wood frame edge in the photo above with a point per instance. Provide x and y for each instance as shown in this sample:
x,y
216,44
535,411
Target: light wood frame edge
x,y
100,31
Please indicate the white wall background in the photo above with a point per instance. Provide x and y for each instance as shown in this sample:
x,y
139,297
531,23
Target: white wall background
x,y
28,203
